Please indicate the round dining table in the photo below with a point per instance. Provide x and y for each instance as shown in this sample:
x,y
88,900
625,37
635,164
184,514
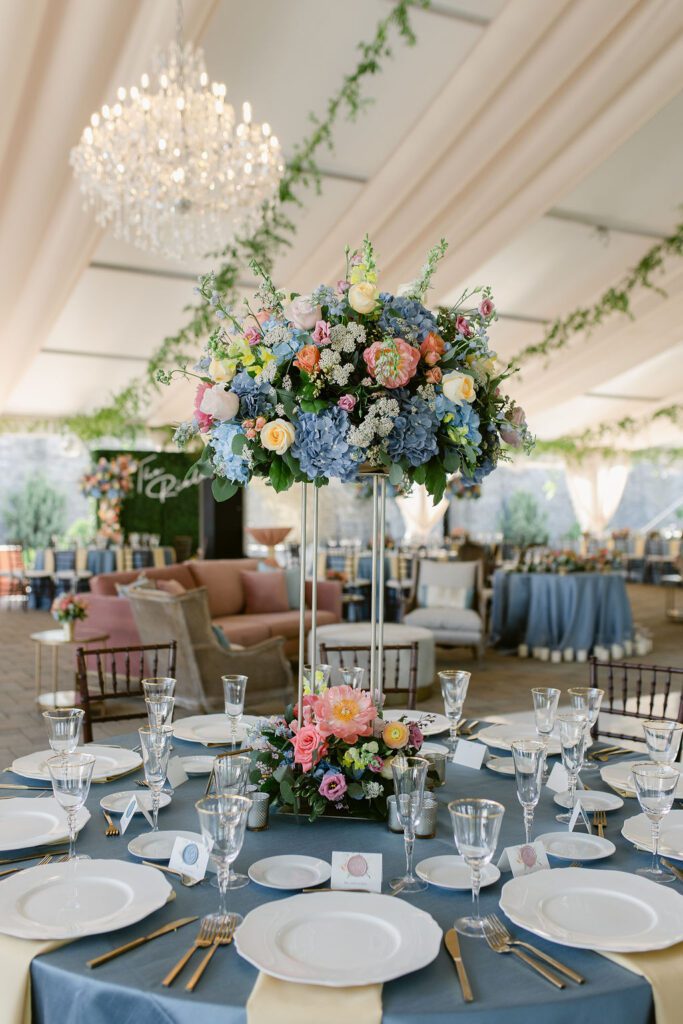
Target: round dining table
x,y
128,988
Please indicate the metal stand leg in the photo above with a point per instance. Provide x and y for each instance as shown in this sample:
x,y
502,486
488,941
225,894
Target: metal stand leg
x,y
379,505
373,589
380,556
314,591
302,605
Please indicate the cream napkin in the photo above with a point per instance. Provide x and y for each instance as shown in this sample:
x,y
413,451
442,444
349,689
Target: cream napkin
x,y
663,968
287,1003
15,975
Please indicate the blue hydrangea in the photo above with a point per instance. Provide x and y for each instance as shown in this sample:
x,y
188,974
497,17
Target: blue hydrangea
x,y
479,473
413,435
399,311
321,448
464,415
257,397
226,463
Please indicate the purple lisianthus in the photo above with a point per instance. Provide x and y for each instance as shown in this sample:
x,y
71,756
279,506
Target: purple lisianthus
x,y
415,737
333,786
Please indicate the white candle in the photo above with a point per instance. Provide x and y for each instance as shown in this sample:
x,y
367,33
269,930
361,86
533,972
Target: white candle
x,y
582,655
568,654
556,657
543,653
522,651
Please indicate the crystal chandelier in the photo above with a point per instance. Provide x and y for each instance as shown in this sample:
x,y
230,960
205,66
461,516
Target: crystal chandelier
x,y
169,166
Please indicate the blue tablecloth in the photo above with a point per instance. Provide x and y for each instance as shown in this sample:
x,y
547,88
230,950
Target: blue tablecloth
x,y
578,610
128,989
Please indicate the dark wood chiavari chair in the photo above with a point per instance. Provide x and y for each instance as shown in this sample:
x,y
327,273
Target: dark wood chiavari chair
x,y
348,657
636,691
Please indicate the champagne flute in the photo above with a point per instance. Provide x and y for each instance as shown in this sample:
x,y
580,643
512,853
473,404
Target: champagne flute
x,y
410,775
156,750
71,775
663,740
545,700
476,826
352,677
159,686
222,820
655,788
454,685
64,728
234,692
529,758
159,711
230,777
588,700
573,741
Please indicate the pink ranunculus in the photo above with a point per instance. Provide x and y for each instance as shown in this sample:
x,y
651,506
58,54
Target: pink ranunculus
x,y
434,375
260,422
204,421
347,403
345,713
309,746
392,363
376,764
462,326
486,307
332,786
321,334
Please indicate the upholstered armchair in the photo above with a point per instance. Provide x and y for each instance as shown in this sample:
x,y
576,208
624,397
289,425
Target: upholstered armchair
x,y
202,659
448,599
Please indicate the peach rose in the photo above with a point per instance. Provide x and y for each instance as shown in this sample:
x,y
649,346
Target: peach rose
x,y
432,348
277,436
309,747
433,375
307,358
363,297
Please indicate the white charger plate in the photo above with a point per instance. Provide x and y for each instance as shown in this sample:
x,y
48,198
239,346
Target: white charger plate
x,y
434,748
619,775
591,800
502,736
211,729
26,822
110,894
430,723
199,765
502,765
638,831
109,762
117,802
338,938
451,872
576,845
290,871
595,909
158,845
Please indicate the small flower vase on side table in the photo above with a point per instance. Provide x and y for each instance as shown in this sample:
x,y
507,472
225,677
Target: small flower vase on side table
x,y
68,630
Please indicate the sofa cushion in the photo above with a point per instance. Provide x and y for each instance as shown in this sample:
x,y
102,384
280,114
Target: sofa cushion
x,y
286,624
292,580
457,621
222,579
244,629
446,583
264,592
181,573
141,583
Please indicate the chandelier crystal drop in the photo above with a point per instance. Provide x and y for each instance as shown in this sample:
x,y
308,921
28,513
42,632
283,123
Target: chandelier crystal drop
x,y
170,168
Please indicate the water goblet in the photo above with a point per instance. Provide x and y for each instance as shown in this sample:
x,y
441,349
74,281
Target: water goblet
x,y
588,700
454,685
352,677
545,700
222,821
529,758
156,750
71,775
159,711
572,741
655,788
410,775
230,776
64,728
159,686
234,691
476,826
321,681
663,740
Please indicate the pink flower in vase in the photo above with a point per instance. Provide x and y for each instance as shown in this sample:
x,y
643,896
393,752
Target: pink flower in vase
x,y
345,713
347,403
204,421
392,363
462,326
309,745
332,786
321,334
486,307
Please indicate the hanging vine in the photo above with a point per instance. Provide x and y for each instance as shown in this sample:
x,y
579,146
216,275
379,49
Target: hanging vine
x,y
598,440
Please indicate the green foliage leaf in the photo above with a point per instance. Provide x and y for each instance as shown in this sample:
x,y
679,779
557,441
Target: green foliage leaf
x,y
280,475
238,443
223,489
396,473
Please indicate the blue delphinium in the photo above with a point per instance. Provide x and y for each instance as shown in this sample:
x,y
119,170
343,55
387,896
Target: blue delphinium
x,y
413,435
257,397
399,311
227,464
321,447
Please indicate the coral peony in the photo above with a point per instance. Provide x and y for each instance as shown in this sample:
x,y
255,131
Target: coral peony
x,y
345,713
392,363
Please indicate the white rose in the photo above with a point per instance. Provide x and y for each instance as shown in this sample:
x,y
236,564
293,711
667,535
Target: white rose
x,y
363,297
302,313
458,387
277,436
220,403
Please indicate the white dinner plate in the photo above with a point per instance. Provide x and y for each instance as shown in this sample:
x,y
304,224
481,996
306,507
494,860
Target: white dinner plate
x,y
502,736
199,765
85,897
117,802
211,729
502,765
451,872
638,831
26,822
290,872
619,776
430,723
158,845
576,846
110,762
434,748
591,800
338,938
595,909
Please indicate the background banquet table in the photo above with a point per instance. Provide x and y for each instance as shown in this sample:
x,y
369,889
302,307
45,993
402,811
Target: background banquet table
x,y
506,991
576,610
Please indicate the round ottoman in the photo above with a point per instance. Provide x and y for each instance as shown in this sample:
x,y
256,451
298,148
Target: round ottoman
x,y
357,634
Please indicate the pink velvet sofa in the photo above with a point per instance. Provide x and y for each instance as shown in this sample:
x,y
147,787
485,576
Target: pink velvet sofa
x,y
109,612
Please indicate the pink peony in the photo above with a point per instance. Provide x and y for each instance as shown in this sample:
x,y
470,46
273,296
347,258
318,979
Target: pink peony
x,y
345,713
392,363
321,334
204,421
486,307
347,403
462,326
333,786
309,745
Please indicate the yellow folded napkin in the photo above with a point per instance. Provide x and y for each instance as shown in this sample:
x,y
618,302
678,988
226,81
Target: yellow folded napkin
x,y
287,1003
15,975
663,968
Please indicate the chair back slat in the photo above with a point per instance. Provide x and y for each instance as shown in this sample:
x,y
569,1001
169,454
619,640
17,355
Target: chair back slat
x,y
644,691
340,655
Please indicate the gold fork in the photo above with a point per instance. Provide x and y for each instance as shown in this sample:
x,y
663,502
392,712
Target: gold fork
x,y
111,829
499,929
600,822
13,871
223,937
205,936
498,945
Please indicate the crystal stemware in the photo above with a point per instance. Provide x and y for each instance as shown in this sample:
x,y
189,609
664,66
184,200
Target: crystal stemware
x,y
322,678
155,745
529,757
410,775
159,711
663,740
454,685
588,700
222,820
572,740
230,776
159,686
234,692
476,826
64,728
71,775
352,677
655,788
545,700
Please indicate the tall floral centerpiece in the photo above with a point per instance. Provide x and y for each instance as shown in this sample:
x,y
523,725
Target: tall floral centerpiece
x,y
109,482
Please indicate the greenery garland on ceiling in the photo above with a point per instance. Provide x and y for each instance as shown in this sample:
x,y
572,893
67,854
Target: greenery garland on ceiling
x,y
124,415
596,440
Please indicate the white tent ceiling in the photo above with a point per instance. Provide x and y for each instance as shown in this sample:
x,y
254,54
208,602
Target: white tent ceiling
x,y
514,129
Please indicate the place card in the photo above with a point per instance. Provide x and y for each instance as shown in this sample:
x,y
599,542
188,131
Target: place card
x,y
577,813
524,859
130,809
356,871
175,773
558,780
470,754
189,857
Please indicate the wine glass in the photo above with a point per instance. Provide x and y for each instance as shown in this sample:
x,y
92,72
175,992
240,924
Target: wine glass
x,y
234,692
655,788
588,700
410,775
159,686
159,711
156,750
663,740
454,685
71,775
529,758
64,728
230,777
352,677
476,826
322,678
545,700
222,820
572,741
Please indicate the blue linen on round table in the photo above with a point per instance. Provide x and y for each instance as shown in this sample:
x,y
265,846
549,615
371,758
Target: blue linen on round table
x,y
128,990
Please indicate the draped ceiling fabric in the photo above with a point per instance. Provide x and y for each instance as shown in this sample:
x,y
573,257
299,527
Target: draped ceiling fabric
x,y
596,486
419,514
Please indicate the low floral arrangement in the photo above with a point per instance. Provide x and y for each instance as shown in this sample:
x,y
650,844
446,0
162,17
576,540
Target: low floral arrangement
x,y
69,608
338,761
109,482
317,387
569,561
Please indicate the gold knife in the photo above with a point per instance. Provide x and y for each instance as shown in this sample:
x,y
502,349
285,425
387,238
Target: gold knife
x,y
19,785
35,856
453,946
172,927
674,870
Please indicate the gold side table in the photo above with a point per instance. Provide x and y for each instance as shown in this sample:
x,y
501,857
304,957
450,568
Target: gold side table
x,y
54,639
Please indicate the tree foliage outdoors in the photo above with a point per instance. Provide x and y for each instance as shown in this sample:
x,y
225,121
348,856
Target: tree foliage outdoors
x,y
34,513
